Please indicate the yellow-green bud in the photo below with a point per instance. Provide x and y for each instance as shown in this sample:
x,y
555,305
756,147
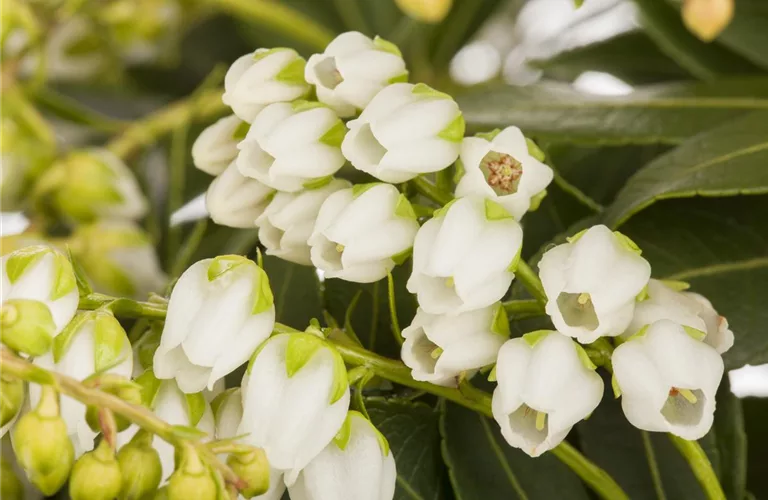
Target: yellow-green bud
x,y
192,480
426,11
96,475
141,468
42,445
26,326
129,393
253,468
10,486
11,397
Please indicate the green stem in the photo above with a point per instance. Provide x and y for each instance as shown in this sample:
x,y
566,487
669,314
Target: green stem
x,y
590,473
577,194
178,166
530,281
653,466
701,466
71,110
520,309
426,188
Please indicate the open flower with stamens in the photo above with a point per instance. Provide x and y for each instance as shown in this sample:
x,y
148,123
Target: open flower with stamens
x,y
546,385
592,283
500,166
667,378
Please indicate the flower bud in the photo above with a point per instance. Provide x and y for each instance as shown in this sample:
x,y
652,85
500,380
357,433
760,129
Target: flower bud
x,y
426,11
235,200
10,486
291,146
362,232
42,445
353,69
27,326
405,130
464,258
193,479
125,390
23,156
141,29
140,468
261,78
96,475
216,146
707,18
93,184
253,468
11,399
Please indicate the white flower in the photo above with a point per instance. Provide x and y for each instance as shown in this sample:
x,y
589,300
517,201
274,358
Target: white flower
x,y
216,146
43,274
438,348
668,379
261,78
291,146
288,221
362,232
546,385
235,200
353,69
219,312
93,342
406,130
356,465
119,257
684,308
499,166
294,371
592,283
171,405
228,413
464,257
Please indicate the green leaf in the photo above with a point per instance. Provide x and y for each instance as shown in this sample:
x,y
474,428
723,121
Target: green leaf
x,y
412,432
482,466
729,160
150,385
296,291
109,339
665,114
747,34
731,441
195,407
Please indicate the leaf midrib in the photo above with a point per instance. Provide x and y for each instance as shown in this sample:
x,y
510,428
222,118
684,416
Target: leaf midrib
x,y
715,269
502,460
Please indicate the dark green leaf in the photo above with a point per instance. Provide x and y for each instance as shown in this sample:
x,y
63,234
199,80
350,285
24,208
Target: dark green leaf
x,y
296,290
731,441
747,34
755,417
482,466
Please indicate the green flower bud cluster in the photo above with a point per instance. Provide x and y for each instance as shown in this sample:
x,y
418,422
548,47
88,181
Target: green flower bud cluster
x,y
96,475
140,468
253,468
193,479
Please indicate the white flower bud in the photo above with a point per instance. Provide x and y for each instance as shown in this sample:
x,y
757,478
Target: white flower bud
x,y
353,69
465,256
235,200
592,283
357,465
288,221
94,342
684,308
219,312
405,130
362,232
291,146
291,371
438,348
668,379
546,385
261,78
499,166
216,146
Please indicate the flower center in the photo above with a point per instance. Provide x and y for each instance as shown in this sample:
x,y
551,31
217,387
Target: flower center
x,y
531,424
328,74
577,310
684,406
427,352
502,172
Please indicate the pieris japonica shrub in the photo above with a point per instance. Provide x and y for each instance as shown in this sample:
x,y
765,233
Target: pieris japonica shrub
x,y
333,273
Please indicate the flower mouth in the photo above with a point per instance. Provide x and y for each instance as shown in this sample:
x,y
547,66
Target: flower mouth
x,y
426,352
370,148
502,172
328,74
531,424
578,310
684,406
331,253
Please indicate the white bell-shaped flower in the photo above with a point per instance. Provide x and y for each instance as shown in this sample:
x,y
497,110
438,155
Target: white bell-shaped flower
x,y
465,256
662,301
216,146
546,385
228,413
119,258
353,69
41,273
295,400
291,146
219,312
593,282
94,342
173,406
667,378
405,130
438,348
261,78
498,165
362,232
235,200
357,465
288,221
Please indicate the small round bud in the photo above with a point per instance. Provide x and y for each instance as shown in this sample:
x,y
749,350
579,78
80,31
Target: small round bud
x,y
129,393
10,486
426,11
140,466
253,468
26,326
192,480
96,475
11,398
